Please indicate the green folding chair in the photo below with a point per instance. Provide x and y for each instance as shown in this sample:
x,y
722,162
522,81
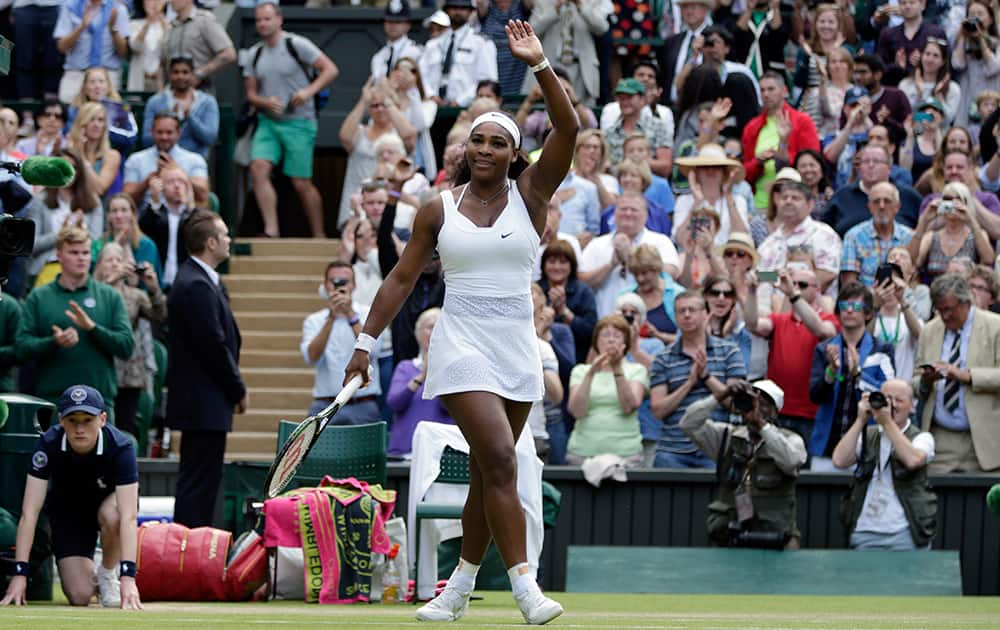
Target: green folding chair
x,y
341,451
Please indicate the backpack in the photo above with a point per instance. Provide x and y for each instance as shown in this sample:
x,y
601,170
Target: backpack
x,y
321,98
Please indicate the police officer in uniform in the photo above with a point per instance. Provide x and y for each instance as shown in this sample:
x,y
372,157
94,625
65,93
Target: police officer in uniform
x,y
396,23
757,466
87,470
890,504
455,63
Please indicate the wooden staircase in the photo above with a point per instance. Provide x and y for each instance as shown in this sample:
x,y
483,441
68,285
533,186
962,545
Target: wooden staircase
x,y
271,291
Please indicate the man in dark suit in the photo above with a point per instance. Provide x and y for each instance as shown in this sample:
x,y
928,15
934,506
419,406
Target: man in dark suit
x,y
203,375
171,204
684,47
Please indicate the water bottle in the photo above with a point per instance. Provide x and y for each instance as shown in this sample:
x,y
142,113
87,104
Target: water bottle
x,y
392,578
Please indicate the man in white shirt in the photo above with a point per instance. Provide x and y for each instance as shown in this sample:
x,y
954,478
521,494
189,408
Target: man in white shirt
x,y
454,64
328,338
604,266
892,505
396,23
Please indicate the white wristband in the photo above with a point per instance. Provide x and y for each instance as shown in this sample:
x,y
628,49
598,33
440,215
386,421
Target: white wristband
x,y
365,343
543,65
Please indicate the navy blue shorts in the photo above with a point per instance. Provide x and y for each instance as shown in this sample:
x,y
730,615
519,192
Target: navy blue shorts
x,y
75,527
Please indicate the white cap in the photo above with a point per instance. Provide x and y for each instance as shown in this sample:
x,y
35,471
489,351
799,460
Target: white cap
x,y
440,18
775,393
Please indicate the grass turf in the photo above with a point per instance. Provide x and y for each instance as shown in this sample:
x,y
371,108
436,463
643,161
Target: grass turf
x,y
584,610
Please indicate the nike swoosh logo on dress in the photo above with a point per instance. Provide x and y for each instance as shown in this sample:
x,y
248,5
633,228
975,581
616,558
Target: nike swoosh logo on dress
x,y
506,235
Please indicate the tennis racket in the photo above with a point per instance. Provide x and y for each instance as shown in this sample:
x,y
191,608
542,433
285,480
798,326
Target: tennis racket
x,y
293,452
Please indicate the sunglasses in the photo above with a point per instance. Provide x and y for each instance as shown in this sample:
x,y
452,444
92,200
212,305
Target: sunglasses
x,y
938,41
802,284
721,293
48,113
851,305
739,253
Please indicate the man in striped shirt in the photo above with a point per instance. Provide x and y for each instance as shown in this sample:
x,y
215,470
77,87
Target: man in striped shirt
x,y
695,366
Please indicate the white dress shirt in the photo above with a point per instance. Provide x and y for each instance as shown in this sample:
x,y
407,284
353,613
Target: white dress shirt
x,y
402,47
474,59
337,353
173,227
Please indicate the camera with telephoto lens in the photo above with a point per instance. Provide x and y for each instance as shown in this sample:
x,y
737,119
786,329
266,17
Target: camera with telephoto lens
x,y
877,400
739,536
971,24
743,402
629,317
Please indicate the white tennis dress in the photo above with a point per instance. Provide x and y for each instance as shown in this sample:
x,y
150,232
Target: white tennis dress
x,y
485,338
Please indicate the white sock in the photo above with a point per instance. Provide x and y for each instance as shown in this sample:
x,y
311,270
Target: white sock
x,y
464,576
521,580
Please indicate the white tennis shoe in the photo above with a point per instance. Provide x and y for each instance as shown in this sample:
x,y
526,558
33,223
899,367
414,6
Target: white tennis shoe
x,y
108,587
537,608
450,605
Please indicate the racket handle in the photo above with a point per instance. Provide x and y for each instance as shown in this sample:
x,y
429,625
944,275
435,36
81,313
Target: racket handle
x,y
348,391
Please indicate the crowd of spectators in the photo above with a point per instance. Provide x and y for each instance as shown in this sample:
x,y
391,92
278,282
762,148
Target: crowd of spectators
x,y
805,194
760,196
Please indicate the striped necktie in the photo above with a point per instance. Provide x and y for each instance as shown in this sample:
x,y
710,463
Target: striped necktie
x,y
953,387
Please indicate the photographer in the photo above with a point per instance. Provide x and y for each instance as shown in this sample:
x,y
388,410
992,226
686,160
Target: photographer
x,y
758,465
328,337
975,56
892,509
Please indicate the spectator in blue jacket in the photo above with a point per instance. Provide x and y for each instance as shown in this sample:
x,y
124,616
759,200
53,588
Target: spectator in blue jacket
x,y
197,110
842,368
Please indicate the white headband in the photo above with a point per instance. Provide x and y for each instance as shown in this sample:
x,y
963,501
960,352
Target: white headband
x,y
504,121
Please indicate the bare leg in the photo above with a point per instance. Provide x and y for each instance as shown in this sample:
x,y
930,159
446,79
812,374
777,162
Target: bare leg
x,y
76,573
312,203
109,519
493,509
267,199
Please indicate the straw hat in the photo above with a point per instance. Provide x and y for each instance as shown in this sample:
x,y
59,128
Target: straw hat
x,y
788,174
743,242
709,155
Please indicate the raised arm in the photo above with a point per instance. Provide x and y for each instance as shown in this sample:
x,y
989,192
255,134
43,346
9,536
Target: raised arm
x,y
817,326
539,181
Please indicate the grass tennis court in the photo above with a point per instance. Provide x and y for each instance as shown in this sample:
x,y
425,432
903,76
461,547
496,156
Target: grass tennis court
x,y
622,612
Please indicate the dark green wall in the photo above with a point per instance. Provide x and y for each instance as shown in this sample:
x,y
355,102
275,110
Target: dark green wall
x,y
667,508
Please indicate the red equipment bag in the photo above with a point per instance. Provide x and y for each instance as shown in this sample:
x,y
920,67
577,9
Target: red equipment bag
x,y
247,571
180,564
